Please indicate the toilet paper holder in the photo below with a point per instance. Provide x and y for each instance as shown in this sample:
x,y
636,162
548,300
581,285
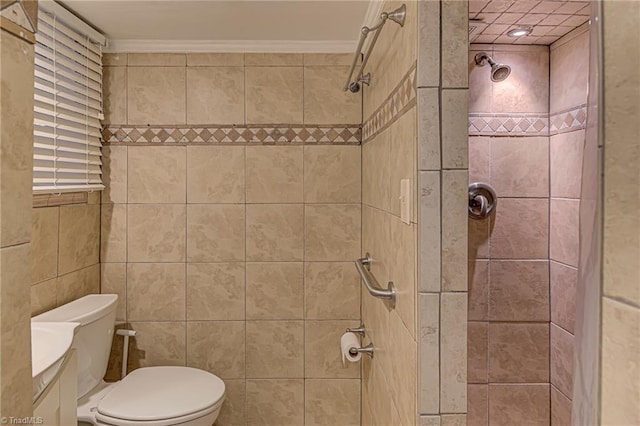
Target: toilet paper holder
x,y
361,330
367,350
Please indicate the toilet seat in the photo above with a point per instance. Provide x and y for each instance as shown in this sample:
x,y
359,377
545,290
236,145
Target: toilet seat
x,y
161,396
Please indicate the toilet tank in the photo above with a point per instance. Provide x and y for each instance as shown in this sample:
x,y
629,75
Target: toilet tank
x,y
96,314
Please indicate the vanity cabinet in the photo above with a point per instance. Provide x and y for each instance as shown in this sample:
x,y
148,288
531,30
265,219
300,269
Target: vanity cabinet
x,y
57,405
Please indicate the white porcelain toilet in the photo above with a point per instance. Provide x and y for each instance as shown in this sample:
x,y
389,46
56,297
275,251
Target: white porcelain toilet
x,y
149,396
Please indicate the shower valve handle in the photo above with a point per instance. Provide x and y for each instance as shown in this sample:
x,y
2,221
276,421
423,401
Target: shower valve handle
x,y
482,200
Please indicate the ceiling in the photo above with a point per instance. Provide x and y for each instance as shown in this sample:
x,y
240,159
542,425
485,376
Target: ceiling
x,y
490,20
258,25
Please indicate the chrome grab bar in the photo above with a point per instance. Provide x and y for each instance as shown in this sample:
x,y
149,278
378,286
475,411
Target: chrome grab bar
x,y
363,266
397,16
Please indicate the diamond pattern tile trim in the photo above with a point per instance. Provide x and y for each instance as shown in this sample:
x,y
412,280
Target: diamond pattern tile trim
x,y
349,134
398,102
569,120
508,124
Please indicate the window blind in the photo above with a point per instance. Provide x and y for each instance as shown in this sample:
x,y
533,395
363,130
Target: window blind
x,y
68,106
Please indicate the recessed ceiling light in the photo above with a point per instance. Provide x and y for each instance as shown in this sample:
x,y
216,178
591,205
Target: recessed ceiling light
x,y
520,32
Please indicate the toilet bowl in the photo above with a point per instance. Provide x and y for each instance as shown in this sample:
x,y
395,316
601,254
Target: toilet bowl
x,y
148,396
156,396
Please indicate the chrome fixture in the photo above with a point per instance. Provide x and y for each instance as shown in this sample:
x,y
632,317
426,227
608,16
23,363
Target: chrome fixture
x,y
361,330
367,350
520,32
397,16
499,72
482,200
354,87
363,266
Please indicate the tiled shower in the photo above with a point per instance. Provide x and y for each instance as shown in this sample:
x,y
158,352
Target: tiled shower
x,y
526,136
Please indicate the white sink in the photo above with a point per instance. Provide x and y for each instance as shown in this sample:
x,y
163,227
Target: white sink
x,y
50,343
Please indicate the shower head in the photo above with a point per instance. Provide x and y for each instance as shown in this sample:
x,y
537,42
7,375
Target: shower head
x,y
499,72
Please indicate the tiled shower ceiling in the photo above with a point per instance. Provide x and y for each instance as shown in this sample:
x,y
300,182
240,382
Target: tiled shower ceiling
x,y
490,20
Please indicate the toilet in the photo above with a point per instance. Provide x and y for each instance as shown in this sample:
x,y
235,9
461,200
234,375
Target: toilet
x,y
148,396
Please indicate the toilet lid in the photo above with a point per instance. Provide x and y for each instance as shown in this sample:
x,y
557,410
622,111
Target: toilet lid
x,y
157,393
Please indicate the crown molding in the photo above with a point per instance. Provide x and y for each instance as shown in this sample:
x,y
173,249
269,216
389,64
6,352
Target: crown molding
x,y
293,46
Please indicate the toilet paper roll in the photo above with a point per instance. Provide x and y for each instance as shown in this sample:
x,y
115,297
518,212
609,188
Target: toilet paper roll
x,y
348,341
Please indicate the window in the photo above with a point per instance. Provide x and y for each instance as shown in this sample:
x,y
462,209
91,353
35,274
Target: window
x,y
68,103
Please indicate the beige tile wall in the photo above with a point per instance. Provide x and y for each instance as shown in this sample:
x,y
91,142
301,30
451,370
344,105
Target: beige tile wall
x,y
389,380
620,390
419,372
238,259
509,272
525,91
16,145
569,76
236,88
65,249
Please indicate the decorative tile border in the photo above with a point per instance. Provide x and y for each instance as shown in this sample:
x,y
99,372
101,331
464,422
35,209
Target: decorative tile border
x,y
508,124
402,98
564,121
349,134
568,120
